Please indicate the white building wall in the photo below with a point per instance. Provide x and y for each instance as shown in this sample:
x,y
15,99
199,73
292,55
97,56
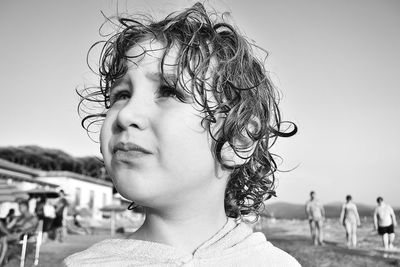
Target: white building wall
x,y
70,185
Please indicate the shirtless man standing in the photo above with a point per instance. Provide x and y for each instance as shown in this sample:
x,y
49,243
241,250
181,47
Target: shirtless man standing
x,y
316,214
384,222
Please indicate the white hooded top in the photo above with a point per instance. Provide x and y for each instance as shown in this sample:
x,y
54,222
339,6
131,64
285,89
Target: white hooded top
x,y
234,245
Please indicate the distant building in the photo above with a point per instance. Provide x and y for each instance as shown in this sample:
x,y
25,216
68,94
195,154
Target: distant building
x,y
83,192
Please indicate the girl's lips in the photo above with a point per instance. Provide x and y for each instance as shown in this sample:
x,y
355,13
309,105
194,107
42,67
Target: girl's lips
x,y
129,152
130,147
128,156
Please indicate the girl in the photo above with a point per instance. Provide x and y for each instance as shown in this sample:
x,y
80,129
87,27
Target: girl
x,y
189,118
351,220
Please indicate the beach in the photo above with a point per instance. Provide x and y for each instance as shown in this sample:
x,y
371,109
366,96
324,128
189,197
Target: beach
x,y
293,236
289,235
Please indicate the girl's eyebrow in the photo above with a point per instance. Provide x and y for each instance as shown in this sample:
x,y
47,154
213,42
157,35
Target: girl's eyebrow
x,y
118,82
158,76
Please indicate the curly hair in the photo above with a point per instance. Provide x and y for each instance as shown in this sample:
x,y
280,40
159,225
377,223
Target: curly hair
x,y
233,95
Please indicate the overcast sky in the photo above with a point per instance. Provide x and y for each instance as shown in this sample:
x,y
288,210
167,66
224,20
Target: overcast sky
x,y
336,62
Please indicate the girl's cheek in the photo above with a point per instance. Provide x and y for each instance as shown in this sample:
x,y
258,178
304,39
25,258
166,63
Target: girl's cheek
x,y
105,133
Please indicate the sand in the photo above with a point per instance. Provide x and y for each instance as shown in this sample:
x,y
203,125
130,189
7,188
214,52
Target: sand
x,y
293,236
289,235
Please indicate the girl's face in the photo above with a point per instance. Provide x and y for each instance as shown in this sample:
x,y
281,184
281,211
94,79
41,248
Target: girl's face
x,y
154,146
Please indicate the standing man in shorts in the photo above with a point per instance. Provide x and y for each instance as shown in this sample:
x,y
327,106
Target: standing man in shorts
x,y
316,214
384,222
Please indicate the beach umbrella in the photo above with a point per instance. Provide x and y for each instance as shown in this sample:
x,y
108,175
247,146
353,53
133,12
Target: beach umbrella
x,y
42,192
10,193
113,209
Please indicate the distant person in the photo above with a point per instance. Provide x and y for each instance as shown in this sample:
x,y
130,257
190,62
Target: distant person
x,y
26,223
46,213
351,220
384,222
58,222
77,222
23,223
10,216
6,221
316,215
39,208
49,215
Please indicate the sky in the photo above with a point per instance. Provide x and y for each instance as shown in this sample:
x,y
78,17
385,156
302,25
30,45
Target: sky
x,y
336,63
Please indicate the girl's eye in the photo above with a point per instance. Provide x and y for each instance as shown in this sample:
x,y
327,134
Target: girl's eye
x,y
167,91
119,96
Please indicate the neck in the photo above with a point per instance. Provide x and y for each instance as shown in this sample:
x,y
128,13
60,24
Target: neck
x,y
185,228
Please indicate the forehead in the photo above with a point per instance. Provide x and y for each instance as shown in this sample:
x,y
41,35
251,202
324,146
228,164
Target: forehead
x,y
149,53
153,57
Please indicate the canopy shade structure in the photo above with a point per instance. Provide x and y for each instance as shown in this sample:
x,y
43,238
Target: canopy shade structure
x,y
42,192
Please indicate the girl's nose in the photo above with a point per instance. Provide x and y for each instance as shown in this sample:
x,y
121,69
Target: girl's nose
x,y
134,114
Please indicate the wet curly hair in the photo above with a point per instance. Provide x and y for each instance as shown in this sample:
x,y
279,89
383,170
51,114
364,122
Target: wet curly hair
x,y
228,82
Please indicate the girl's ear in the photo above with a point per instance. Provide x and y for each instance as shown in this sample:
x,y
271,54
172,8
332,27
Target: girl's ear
x,y
243,146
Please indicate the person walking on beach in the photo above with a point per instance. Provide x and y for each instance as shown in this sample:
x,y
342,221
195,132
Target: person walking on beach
x,y
351,220
384,222
316,214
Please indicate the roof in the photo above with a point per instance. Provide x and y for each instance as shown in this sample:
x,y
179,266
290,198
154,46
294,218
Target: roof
x,y
16,171
11,166
21,173
17,177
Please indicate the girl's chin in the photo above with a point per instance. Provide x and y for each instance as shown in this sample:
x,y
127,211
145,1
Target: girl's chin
x,y
132,194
